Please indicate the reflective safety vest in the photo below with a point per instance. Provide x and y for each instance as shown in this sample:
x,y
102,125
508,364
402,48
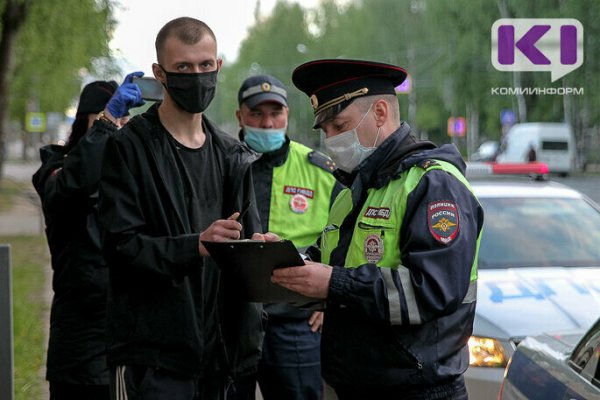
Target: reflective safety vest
x,y
300,196
372,226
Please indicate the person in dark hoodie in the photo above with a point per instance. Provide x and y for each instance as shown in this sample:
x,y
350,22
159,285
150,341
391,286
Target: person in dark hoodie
x,y
171,180
397,264
67,184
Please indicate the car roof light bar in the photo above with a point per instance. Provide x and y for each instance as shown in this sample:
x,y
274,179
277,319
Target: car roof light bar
x,y
492,168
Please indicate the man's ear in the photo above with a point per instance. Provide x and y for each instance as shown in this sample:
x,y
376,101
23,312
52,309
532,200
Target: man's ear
x,y
381,111
158,72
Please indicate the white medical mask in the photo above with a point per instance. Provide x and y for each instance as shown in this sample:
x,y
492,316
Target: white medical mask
x,y
345,149
264,140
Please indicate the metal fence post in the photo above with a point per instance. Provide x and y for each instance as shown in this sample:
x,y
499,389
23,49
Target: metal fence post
x,y
6,325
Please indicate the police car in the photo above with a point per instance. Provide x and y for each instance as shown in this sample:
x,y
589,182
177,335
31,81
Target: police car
x,y
553,367
538,270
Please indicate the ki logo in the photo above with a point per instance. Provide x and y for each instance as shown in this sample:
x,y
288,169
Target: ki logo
x,y
537,44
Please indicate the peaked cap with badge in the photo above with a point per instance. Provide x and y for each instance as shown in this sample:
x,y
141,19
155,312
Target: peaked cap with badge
x,y
332,84
262,88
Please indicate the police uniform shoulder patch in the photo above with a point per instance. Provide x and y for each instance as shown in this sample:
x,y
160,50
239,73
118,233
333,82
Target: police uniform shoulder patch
x,y
428,163
321,160
443,221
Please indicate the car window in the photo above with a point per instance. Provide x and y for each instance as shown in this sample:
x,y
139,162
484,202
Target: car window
x,y
555,145
537,232
586,357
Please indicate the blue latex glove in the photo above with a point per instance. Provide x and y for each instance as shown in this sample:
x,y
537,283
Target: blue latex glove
x,y
127,96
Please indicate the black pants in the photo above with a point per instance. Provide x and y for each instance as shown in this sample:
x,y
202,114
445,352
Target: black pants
x,y
295,383
135,382
70,391
455,390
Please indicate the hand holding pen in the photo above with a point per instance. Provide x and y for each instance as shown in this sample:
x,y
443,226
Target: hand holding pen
x,y
224,229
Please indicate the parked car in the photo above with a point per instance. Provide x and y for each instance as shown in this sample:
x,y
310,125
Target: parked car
x,y
539,269
487,151
555,367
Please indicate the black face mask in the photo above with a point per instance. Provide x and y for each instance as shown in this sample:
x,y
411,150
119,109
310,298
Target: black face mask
x,y
193,92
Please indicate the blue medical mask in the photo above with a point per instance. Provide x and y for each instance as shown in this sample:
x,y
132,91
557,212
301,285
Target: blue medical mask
x,y
345,149
264,140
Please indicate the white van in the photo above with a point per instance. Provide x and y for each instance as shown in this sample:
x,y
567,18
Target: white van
x,y
551,142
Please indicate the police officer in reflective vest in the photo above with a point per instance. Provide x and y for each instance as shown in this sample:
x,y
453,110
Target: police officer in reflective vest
x,y
294,188
398,257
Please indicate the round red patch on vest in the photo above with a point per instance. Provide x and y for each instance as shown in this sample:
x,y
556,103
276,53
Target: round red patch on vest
x,y
299,204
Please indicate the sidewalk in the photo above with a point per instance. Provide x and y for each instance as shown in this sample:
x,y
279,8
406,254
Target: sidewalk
x,y
26,218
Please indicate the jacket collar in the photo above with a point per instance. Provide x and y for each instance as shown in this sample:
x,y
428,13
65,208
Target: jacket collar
x,y
273,158
277,157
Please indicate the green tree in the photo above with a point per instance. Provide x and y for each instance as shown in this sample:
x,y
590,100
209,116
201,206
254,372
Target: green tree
x,y
56,41
465,74
276,44
582,112
446,47
13,14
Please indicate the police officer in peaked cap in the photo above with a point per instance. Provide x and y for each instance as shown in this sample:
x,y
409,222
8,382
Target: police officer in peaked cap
x,y
396,266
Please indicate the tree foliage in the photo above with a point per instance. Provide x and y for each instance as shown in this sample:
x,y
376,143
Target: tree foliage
x,y
60,40
273,46
446,47
45,45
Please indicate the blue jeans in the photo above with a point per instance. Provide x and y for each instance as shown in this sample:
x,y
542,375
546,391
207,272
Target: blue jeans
x,y
290,367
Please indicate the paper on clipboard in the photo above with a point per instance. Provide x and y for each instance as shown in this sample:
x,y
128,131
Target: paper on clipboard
x,y
249,264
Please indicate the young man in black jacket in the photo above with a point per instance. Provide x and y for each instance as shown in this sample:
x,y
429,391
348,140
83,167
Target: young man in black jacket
x,y
172,180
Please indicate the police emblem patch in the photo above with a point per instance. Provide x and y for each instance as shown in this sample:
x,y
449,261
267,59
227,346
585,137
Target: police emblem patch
x,y
373,248
299,204
442,218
